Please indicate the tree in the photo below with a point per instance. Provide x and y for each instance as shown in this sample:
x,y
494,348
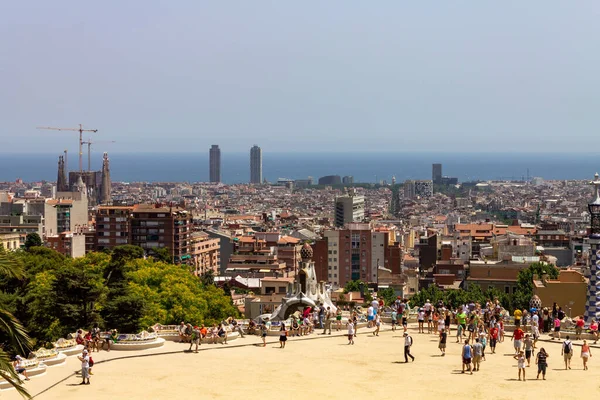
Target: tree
x,y
32,240
354,286
208,277
11,329
162,254
388,295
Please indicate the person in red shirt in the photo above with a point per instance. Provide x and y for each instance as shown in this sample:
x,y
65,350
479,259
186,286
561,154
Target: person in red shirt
x,y
579,327
518,335
494,337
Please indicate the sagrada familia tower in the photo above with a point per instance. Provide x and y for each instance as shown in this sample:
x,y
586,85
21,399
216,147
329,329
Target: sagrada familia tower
x,y
97,183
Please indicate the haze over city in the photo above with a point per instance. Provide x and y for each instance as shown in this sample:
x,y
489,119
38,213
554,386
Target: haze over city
x,y
340,76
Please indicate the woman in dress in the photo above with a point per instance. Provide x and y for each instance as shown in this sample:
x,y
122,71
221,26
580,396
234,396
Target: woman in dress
x,y
586,353
282,336
338,319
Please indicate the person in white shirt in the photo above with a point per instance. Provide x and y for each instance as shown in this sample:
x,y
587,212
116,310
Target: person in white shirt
x,y
370,316
350,332
407,344
85,367
18,366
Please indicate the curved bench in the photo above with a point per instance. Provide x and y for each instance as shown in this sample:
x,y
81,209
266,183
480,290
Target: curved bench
x,y
39,370
138,345
59,359
71,351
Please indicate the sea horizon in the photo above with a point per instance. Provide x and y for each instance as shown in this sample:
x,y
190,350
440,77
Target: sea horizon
x,y
364,166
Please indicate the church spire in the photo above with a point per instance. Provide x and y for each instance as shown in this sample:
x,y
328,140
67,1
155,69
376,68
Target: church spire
x,y
61,180
105,189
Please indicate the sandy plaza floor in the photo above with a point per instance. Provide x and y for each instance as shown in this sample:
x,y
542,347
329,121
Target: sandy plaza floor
x,y
318,366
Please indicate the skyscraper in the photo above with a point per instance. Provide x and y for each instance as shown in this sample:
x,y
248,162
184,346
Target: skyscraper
x,y
349,208
256,165
215,163
436,173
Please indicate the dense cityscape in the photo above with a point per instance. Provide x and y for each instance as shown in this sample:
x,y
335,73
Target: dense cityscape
x,y
403,236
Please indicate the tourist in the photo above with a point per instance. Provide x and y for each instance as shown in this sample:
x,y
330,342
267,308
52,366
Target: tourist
x,y
483,340
408,342
283,333
338,319
213,334
405,314
477,354
315,318
85,367
377,325
471,328
295,327
494,337
586,353
306,326
236,327
501,327
461,319
351,332
321,317
466,355
421,320
441,323
181,331
579,327
429,316
394,319
535,322
447,320
355,322
518,335
204,332
113,338
79,339
442,343
328,317
518,313
594,330
546,319
195,339
222,332
96,337
520,363
535,332
251,327
542,363
19,367
370,316
556,329
567,352
264,329
528,343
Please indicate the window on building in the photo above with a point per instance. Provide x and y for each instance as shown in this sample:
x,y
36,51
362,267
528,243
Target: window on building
x,y
269,289
282,290
507,289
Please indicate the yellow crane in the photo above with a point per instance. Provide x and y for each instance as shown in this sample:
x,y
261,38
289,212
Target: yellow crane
x,y
89,145
80,130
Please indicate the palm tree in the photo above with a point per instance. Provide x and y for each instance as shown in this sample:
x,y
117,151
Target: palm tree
x,y
12,328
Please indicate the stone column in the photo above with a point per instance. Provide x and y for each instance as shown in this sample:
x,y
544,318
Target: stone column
x,y
592,304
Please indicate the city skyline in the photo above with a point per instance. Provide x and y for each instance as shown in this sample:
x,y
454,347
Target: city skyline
x,y
454,77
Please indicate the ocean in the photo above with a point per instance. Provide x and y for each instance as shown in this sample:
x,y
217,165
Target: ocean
x,y
364,167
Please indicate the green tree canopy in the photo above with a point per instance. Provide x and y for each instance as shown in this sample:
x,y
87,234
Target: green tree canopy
x,y
32,240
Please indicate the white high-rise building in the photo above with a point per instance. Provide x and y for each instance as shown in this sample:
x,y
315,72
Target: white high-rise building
x,y
349,208
256,165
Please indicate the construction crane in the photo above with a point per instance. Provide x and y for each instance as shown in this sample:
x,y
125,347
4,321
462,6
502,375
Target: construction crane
x,y
89,145
80,130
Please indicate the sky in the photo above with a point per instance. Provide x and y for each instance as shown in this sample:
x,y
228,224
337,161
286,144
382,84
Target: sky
x,y
158,76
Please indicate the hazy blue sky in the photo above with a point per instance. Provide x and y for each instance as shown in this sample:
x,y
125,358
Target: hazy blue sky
x,y
332,75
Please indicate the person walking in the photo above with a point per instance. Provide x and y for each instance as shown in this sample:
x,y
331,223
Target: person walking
x,y
520,363
408,342
556,328
494,337
477,354
195,339
567,352
85,367
528,343
328,317
421,320
467,354
264,329
394,319
442,344
377,325
517,339
541,362
338,319
586,353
